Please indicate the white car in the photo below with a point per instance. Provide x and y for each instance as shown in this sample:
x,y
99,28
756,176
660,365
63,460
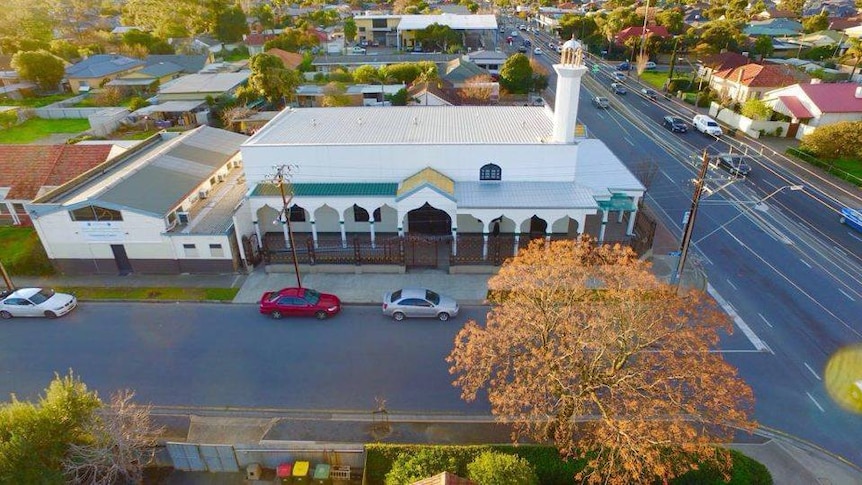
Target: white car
x,y
35,302
619,75
358,50
707,125
650,65
514,33
537,51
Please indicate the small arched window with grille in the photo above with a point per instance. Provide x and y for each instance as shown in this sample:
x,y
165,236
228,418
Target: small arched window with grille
x,y
490,172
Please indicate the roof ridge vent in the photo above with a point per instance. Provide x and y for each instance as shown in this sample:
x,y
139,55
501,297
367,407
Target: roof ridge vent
x,y
359,121
314,122
524,124
415,121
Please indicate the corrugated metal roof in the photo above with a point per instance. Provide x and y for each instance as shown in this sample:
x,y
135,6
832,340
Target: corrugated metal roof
x,y
205,83
173,171
517,195
407,125
599,170
330,190
453,21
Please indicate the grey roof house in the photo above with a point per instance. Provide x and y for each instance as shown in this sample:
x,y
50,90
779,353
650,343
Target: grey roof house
x,y
94,70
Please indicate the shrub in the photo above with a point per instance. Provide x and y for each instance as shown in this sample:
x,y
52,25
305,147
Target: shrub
x,y
426,462
137,103
492,468
779,130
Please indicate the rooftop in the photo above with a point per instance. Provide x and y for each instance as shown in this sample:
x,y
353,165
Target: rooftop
x,y
101,65
205,83
835,97
406,125
25,169
453,21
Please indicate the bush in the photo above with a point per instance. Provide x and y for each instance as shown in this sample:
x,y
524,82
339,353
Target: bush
x,y
492,468
137,103
424,463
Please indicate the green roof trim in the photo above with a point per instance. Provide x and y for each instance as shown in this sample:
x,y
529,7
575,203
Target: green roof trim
x,y
330,190
617,202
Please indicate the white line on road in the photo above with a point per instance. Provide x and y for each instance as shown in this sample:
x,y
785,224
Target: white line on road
x,y
812,371
845,294
854,236
815,402
764,320
752,337
669,178
806,264
731,285
630,142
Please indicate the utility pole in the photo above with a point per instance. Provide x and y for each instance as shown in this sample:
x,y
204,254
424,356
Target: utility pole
x,y
282,177
672,64
6,278
692,213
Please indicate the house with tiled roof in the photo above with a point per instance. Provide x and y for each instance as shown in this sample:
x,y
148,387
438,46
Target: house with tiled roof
x,y
27,171
291,60
817,104
752,80
165,206
94,70
460,76
624,34
255,41
711,64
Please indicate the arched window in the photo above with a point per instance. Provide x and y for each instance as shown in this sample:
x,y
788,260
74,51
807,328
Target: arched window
x,y
490,172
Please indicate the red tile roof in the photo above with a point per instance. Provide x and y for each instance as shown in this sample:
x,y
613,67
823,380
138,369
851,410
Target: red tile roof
x,y
27,168
841,23
834,97
291,60
638,31
759,76
796,108
725,60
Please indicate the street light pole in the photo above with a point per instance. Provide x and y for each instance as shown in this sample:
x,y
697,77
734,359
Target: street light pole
x,y
692,213
282,177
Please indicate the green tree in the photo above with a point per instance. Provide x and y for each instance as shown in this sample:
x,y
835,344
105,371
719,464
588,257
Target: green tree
x,y
763,46
27,19
397,99
854,52
231,24
426,462
516,75
794,6
293,40
365,74
492,468
671,19
41,67
816,23
264,15
718,35
64,49
438,37
35,438
835,140
756,109
349,29
271,79
580,26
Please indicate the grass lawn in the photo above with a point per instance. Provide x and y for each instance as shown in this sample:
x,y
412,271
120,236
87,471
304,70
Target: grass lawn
x,y
36,128
654,78
21,252
161,294
36,102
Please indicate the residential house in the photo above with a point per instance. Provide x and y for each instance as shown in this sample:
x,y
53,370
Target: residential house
x,y
464,80
835,8
490,61
201,44
816,104
166,206
481,179
291,60
752,80
428,95
776,27
399,31
311,95
628,32
774,13
145,81
720,62
255,41
190,63
100,68
27,171
200,86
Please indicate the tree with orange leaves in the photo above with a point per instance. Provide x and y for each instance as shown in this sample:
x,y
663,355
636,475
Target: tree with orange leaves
x,y
585,347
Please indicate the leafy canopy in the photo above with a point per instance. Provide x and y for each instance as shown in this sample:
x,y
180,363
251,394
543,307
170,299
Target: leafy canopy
x,y
491,468
585,347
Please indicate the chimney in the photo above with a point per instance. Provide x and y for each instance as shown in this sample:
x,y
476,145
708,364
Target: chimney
x,y
570,70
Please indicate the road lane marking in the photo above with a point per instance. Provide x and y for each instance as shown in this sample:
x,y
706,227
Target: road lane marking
x,y
812,371
815,402
806,264
758,344
764,320
845,294
630,142
732,285
668,177
854,236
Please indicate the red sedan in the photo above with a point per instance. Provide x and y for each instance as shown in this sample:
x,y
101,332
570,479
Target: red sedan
x,y
300,302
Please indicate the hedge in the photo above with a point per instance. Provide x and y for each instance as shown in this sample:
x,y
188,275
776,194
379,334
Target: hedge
x,y
551,468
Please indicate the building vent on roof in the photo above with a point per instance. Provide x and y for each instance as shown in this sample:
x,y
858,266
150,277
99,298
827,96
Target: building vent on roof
x,y
314,122
415,121
858,93
359,121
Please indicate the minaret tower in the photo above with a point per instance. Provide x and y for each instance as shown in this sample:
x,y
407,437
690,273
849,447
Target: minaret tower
x,y
569,72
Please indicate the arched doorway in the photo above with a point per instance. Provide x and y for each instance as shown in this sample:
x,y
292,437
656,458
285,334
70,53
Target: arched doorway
x,y
429,221
538,227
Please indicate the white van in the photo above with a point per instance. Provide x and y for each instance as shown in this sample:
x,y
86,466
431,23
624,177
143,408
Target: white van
x,y
705,124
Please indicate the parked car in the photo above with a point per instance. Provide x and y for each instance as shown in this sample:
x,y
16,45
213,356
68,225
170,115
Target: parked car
x,y
299,302
601,102
358,50
707,125
514,33
625,66
522,48
650,65
528,43
551,45
675,123
619,76
35,302
418,302
735,164
559,49
537,51
618,88
649,93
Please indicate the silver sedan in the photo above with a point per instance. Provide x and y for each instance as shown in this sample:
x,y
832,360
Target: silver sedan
x,y
418,302
35,302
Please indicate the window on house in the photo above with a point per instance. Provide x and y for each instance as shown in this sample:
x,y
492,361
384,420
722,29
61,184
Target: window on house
x,y
216,251
359,214
95,213
19,208
378,23
3,208
490,172
297,214
361,29
190,250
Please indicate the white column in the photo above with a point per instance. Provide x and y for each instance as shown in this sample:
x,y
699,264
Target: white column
x,y
454,241
631,227
257,232
566,101
286,235
604,224
517,243
485,243
313,230
620,217
548,234
371,230
343,234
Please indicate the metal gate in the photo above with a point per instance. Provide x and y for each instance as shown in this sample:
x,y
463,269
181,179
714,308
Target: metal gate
x,y
420,252
198,458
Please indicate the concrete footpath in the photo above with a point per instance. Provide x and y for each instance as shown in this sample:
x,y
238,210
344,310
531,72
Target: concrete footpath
x,y
791,461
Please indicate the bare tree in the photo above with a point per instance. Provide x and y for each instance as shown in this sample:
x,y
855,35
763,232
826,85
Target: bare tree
x,y
477,90
124,440
230,116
